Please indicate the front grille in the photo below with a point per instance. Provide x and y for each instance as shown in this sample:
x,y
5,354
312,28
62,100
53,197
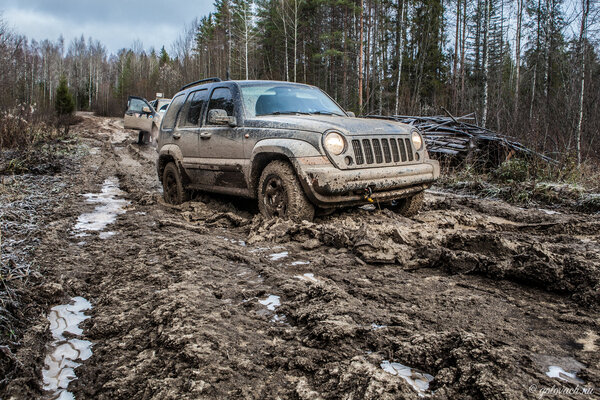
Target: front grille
x,y
382,150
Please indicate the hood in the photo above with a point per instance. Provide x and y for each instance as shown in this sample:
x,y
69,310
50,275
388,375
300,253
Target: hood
x,y
320,123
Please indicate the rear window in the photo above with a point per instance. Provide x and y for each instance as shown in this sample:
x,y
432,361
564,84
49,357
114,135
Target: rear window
x,y
171,115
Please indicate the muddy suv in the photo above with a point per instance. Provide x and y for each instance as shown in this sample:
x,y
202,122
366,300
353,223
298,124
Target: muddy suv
x,y
291,147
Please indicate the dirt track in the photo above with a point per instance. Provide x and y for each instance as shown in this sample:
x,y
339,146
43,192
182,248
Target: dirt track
x,y
482,295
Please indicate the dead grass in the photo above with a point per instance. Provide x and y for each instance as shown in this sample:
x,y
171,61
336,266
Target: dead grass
x,y
529,183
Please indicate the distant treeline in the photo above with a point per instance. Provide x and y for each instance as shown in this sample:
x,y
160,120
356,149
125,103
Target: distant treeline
x,y
528,68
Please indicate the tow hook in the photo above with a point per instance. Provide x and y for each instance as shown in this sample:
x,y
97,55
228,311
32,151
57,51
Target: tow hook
x,y
368,194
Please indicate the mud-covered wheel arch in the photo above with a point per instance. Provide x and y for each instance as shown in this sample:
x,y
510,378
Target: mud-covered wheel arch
x,y
280,194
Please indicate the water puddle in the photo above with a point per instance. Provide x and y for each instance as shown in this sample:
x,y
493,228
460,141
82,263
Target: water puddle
x,y
280,318
300,263
109,206
563,368
61,360
271,302
554,371
278,256
418,380
376,327
307,277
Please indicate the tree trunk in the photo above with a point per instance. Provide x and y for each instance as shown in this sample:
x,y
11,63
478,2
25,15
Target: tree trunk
x,y
360,58
585,4
518,56
486,61
400,57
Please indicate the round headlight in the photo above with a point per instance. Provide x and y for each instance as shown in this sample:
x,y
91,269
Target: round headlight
x,y
417,140
334,143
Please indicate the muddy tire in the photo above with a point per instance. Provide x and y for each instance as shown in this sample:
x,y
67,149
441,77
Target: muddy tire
x,y
280,194
409,206
173,190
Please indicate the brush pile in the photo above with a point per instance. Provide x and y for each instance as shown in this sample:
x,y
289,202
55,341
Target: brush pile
x,y
458,140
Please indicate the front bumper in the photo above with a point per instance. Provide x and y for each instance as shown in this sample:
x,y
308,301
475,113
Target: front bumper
x,y
328,186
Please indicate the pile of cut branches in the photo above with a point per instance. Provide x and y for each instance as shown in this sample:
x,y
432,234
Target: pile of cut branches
x,y
458,140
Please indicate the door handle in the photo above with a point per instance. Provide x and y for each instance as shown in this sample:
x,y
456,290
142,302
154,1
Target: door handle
x,y
176,136
205,135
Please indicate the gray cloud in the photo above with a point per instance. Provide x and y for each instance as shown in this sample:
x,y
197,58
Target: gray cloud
x,y
115,23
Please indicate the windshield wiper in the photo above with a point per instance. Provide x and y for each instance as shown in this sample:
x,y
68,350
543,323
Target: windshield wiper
x,y
325,113
286,113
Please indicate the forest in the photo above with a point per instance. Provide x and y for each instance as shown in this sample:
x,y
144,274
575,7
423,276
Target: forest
x,y
527,68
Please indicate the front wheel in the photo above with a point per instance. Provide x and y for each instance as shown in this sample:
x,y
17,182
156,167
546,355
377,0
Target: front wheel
x,y
409,206
173,190
280,194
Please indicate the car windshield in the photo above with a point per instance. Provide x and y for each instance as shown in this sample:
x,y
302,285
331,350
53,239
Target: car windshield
x,y
281,98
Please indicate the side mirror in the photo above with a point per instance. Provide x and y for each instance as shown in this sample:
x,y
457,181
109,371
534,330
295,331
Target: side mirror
x,y
220,117
350,114
146,110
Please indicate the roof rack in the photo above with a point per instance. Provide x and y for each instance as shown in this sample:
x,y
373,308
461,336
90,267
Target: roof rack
x,y
199,82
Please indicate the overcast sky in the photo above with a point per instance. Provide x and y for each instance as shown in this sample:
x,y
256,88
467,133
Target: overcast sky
x,y
115,23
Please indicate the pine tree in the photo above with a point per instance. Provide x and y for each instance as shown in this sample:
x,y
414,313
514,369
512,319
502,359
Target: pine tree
x,y
65,104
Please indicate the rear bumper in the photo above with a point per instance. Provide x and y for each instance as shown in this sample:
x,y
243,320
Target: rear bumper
x,y
327,186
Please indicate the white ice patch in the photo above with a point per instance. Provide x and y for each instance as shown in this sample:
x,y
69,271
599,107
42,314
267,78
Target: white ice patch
x,y
278,256
555,371
279,318
61,361
549,212
307,277
234,241
106,235
418,380
109,206
300,263
272,302
376,327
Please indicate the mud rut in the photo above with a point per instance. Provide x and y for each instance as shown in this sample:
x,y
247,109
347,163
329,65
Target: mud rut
x,y
482,295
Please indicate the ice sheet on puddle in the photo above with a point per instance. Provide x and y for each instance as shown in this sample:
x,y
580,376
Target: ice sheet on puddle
x,y
109,206
278,256
62,357
271,302
307,277
416,379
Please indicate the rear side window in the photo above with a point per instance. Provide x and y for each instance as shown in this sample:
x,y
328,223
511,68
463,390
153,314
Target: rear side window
x,y
196,101
221,98
171,115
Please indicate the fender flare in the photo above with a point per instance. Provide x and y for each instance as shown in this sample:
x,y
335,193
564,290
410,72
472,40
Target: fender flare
x,y
169,151
290,149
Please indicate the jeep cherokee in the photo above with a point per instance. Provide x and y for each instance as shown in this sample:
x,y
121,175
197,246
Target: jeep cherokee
x,y
290,146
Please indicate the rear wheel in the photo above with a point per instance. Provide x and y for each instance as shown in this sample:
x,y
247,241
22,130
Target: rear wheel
x,y
173,190
280,194
409,206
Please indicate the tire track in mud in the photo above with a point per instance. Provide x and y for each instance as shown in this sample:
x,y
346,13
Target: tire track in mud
x,y
483,296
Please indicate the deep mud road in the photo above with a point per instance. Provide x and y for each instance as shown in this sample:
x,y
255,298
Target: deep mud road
x,y
208,300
